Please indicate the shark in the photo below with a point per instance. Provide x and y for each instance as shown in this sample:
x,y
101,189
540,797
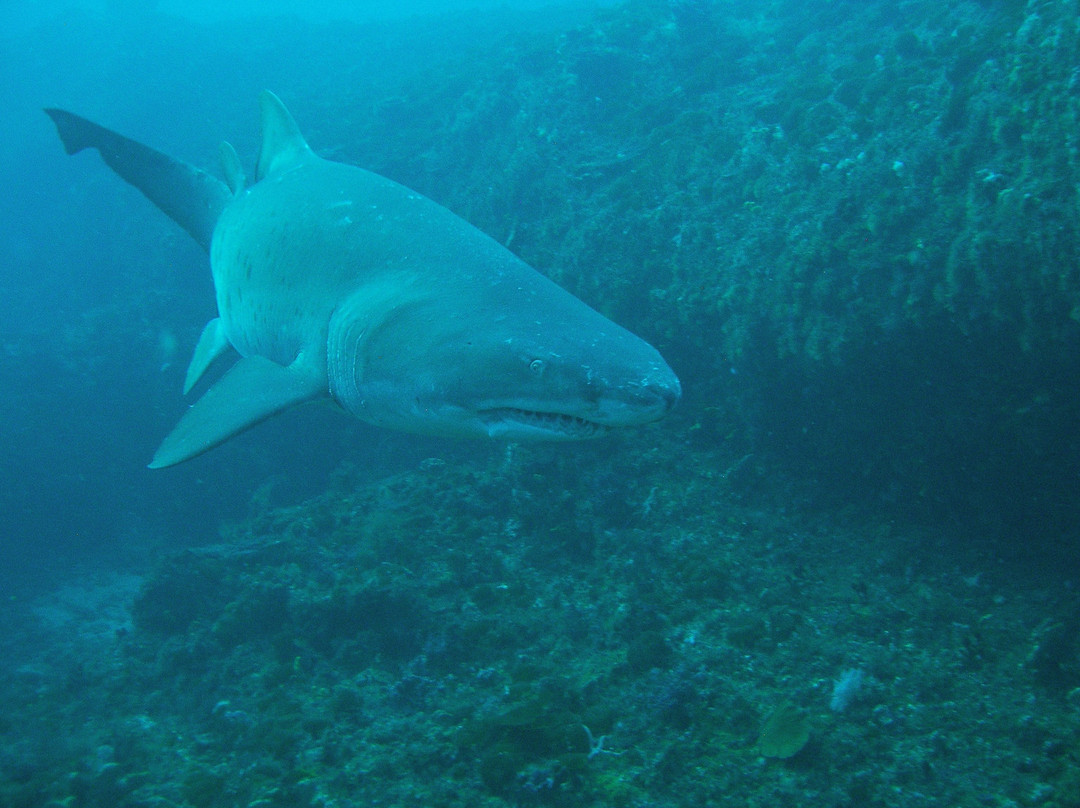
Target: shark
x,y
333,282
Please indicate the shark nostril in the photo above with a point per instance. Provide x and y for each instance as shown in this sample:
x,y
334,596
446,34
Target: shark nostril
x,y
666,393
666,397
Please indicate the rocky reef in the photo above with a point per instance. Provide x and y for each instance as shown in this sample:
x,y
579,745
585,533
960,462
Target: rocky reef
x,y
550,632
852,226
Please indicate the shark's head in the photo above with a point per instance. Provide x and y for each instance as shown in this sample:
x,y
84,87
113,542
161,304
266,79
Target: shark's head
x,y
554,369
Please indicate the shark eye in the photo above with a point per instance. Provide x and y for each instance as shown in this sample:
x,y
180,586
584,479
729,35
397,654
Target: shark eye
x,y
537,366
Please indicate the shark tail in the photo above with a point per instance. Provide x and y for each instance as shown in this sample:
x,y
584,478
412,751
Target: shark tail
x,y
189,196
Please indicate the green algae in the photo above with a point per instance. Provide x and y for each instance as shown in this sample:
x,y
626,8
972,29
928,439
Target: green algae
x,y
785,733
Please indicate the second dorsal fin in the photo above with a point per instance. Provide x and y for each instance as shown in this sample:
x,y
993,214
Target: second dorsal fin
x,y
230,164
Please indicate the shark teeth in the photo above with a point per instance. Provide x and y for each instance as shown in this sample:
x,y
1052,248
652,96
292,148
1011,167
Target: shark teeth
x,y
511,419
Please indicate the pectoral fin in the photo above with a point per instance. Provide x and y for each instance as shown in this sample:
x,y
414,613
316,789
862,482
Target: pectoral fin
x,y
254,389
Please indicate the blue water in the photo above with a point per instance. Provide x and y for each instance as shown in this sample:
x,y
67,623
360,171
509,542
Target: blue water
x,y
102,297
851,227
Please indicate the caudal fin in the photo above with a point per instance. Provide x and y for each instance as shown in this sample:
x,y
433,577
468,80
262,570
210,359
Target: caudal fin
x,y
190,197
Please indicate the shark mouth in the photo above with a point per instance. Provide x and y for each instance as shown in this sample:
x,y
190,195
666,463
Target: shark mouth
x,y
549,425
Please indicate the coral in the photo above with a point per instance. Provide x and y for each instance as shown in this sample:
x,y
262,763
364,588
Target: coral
x,y
846,689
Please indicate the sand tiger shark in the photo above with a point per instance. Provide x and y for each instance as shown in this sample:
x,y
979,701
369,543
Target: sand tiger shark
x,y
335,282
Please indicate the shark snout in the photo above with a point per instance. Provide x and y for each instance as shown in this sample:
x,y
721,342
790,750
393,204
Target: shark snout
x,y
666,394
645,401
661,395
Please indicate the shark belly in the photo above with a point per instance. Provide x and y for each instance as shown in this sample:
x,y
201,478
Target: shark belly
x,y
273,297
289,250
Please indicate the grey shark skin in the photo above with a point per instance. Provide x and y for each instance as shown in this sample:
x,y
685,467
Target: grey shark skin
x,y
332,281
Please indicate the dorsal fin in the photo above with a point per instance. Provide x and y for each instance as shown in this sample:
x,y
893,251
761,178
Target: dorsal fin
x,y
282,144
230,164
